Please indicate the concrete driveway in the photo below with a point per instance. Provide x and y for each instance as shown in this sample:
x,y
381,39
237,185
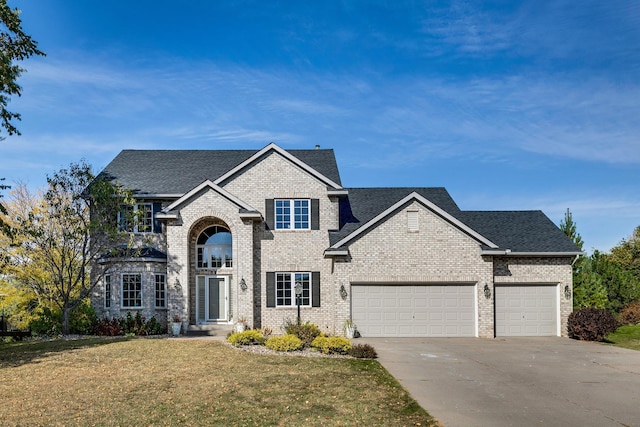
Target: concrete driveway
x,y
516,381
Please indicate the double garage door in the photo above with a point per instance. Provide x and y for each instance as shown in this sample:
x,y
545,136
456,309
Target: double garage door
x,y
414,310
391,310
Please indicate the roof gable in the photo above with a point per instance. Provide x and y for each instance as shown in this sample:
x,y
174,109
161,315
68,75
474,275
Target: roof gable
x,y
210,185
173,173
382,205
272,147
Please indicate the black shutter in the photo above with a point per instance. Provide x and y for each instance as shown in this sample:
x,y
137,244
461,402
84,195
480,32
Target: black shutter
x,y
157,225
271,289
268,214
315,214
315,289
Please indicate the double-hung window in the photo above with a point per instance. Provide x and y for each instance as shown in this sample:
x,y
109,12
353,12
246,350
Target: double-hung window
x,y
107,291
161,293
137,218
131,290
285,289
292,214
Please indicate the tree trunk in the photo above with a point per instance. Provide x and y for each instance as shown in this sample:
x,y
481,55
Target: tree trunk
x,y
65,319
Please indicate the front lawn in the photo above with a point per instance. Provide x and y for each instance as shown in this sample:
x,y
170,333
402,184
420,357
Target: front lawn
x,y
176,382
626,336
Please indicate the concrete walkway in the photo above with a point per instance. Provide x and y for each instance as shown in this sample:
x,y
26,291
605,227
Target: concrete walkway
x,y
516,381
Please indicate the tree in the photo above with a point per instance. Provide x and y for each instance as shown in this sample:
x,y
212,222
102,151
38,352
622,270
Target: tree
x,y
15,45
63,242
570,229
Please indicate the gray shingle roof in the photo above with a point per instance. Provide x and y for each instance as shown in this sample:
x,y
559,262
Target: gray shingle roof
x,y
519,231
178,171
364,204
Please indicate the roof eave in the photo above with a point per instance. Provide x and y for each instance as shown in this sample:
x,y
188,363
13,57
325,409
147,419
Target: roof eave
x,y
507,252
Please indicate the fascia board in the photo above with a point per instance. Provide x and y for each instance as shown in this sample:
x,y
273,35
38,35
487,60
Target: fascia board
x,y
250,215
166,215
335,252
532,254
214,187
415,196
274,147
156,196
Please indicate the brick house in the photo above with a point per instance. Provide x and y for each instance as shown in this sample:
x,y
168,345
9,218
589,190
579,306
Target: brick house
x,y
227,234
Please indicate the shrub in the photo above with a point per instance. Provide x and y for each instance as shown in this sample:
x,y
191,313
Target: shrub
x,y
248,337
47,322
306,332
129,325
591,324
630,314
363,351
82,319
108,327
332,345
287,342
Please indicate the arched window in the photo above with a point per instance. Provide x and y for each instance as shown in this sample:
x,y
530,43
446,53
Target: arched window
x,y
214,248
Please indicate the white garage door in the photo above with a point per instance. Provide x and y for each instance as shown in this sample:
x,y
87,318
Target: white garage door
x,y
414,310
526,310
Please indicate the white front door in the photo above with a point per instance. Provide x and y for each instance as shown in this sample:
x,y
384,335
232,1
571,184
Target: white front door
x,y
212,299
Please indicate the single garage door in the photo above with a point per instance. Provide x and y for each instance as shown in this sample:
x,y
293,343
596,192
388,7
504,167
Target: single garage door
x,y
414,310
526,310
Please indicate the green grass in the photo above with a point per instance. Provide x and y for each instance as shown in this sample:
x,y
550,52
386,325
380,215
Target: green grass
x,y
177,382
626,336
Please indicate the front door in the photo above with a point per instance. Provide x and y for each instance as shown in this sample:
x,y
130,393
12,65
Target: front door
x,y
212,299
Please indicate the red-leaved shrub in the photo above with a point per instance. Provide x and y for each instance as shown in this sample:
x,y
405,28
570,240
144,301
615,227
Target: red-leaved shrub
x,y
630,314
591,324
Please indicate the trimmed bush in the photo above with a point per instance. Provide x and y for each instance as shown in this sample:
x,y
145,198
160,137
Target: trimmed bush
x,y
363,351
630,314
591,324
332,345
248,337
306,332
287,342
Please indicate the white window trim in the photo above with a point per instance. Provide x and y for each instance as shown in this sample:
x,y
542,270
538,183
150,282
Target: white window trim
x,y
164,290
107,295
291,214
128,307
135,219
293,292
413,221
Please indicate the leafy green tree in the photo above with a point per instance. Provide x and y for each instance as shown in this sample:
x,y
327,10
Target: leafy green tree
x,y
588,287
61,239
15,45
627,254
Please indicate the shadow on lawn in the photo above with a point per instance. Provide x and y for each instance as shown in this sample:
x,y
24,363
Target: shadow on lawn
x,y
24,352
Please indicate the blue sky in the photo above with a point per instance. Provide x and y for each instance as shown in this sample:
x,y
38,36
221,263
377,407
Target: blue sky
x,y
509,105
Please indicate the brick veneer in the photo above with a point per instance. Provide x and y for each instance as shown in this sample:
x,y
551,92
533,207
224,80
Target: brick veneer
x,y
389,253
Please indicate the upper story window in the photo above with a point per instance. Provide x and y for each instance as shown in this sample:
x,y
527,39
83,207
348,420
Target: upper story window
x,y
137,218
292,214
214,248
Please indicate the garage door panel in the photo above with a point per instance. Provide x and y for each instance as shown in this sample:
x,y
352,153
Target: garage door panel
x,y
526,310
415,310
